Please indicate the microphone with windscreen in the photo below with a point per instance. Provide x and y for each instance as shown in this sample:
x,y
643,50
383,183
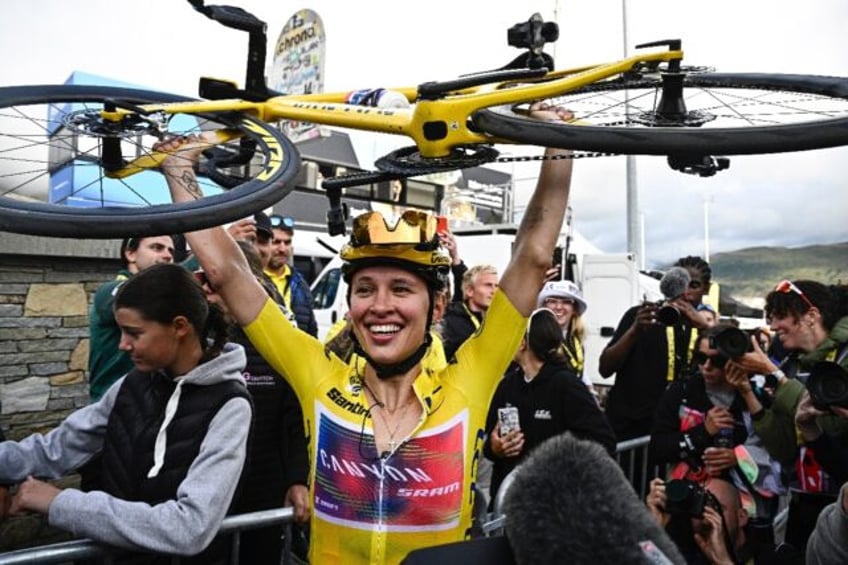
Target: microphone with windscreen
x,y
672,285
571,503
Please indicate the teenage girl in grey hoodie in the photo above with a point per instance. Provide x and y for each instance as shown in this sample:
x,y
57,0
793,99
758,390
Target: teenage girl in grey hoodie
x,y
172,431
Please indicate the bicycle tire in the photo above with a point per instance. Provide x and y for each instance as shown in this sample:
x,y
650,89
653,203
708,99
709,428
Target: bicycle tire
x,y
42,147
754,134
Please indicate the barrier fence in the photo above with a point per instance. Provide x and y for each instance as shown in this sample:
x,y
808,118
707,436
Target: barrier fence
x,y
632,455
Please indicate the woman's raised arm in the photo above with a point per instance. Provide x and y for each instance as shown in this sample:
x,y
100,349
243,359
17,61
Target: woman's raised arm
x,y
219,255
540,228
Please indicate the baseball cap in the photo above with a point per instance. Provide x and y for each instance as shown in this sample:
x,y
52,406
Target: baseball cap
x,y
263,225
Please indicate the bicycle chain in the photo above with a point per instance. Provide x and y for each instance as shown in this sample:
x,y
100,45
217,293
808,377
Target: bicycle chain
x,y
578,155
574,155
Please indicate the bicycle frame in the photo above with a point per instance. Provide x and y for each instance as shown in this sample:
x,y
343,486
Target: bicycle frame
x,y
435,125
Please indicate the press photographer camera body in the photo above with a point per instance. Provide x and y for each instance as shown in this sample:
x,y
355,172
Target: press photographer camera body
x,y
828,385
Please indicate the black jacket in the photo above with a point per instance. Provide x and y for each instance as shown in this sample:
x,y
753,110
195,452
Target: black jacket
x,y
555,401
457,326
667,440
277,455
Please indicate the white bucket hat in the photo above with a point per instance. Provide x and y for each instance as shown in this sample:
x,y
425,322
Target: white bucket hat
x,y
563,289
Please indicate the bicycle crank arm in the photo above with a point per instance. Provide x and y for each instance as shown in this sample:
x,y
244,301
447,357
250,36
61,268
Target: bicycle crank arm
x,y
154,159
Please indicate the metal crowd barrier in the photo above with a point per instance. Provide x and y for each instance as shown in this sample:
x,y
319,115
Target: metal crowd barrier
x,y
637,446
635,449
87,549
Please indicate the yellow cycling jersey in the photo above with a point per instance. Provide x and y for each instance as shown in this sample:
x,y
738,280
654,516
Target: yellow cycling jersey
x,y
376,508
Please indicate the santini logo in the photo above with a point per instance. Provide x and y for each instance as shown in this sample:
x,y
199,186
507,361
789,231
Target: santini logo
x,y
542,414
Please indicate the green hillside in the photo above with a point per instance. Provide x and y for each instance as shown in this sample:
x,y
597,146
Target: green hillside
x,y
755,271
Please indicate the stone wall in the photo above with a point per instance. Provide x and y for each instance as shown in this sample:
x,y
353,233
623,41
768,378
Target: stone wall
x,y
46,286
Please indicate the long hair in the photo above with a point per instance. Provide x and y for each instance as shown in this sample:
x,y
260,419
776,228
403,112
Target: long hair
x,y
164,291
576,327
544,336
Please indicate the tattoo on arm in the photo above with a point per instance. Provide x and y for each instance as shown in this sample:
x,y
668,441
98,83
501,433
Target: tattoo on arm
x,y
190,183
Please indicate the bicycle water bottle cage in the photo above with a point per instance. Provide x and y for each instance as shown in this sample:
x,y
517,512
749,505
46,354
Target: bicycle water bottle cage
x,y
700,165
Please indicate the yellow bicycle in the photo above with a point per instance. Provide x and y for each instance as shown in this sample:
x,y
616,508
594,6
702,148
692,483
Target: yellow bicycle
x,y
646,104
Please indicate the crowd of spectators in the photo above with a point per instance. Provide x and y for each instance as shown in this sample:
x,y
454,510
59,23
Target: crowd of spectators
x,y
741,423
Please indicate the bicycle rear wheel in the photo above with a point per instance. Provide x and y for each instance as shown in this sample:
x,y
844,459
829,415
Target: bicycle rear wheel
x,y
52,180
726,114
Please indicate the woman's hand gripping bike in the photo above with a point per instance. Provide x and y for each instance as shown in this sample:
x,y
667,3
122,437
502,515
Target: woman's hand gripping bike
x,y
650,103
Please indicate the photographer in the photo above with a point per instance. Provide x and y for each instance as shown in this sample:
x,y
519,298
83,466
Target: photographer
x,y
703,428
646,355
707,524
811,321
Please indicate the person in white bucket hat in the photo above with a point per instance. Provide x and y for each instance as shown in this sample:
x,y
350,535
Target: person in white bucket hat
x,y
567,303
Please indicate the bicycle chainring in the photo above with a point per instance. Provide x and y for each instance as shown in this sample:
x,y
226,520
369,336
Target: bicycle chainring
x,y
408,162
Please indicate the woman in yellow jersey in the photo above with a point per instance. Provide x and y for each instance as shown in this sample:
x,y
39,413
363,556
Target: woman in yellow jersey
x,y
394,440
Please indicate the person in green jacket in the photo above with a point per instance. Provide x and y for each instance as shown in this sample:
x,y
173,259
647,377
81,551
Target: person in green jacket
x,y
811,321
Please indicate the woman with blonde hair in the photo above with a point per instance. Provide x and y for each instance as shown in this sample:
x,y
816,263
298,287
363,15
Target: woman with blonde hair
x,y
566,301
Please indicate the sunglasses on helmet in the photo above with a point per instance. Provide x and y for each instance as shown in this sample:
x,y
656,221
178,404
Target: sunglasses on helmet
x,y
413,227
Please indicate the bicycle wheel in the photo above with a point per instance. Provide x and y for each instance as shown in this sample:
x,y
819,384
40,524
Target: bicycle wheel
x,y
53,183
724,114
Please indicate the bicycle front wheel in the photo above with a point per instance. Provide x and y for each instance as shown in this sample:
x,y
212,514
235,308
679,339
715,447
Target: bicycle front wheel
x,y
53,181
724,114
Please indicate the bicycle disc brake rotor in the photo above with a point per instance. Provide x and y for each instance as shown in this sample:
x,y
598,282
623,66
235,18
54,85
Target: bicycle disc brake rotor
x,y
92,123
407,161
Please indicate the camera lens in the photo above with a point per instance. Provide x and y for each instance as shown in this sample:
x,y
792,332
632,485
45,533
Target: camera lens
x,y
668,315
732,342
828,385
685,497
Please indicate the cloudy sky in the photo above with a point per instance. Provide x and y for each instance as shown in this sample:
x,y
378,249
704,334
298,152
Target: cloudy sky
x,y
787,199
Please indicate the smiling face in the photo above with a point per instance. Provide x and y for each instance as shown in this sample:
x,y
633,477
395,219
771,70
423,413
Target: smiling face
x,y
388,310
563,309
150,345
796,332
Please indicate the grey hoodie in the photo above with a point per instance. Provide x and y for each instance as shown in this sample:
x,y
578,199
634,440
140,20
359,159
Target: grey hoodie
x,y
184,526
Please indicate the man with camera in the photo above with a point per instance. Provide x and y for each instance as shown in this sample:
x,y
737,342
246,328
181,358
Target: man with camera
x,y
646,355
706,522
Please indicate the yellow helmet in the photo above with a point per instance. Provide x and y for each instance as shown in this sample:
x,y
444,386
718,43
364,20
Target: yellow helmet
x,y
412,243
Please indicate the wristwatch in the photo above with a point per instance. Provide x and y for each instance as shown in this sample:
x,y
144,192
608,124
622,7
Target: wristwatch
x,y
774,378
